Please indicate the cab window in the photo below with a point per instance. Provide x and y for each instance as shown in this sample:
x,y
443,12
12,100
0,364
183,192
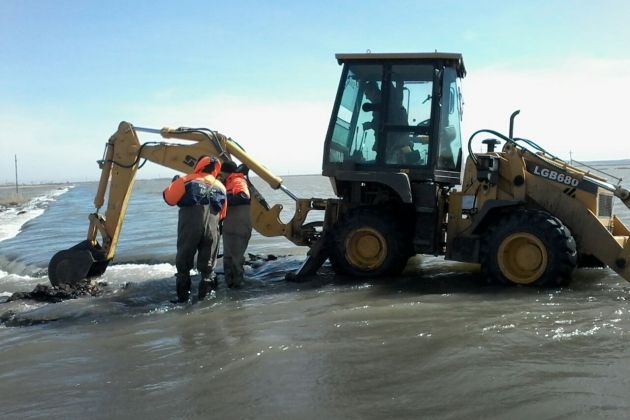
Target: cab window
x,y
384,115
408,119
450,141
355,130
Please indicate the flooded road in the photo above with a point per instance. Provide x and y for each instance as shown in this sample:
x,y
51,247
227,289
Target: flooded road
x,y
437,342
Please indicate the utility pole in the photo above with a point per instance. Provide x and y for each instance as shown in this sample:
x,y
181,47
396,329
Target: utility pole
x,y
16,177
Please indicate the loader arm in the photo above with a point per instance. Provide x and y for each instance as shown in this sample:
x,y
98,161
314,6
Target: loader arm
x,y
581,200
608,242
510,188
122,159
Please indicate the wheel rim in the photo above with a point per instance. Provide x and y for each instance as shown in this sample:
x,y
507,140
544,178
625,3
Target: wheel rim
x,y
366,248
522,258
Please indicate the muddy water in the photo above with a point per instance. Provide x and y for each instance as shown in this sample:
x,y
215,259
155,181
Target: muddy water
x,y
435,343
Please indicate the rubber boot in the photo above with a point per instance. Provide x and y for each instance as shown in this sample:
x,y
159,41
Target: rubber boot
x,y
228,274
182,285
206,284
232,278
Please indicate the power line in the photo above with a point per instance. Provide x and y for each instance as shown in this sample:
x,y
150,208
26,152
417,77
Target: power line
x,y
16,176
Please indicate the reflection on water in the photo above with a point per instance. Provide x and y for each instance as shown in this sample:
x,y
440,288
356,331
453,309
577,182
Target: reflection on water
x,y
437,342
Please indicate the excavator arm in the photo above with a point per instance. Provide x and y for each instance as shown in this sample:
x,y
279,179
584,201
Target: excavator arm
x,y
122,159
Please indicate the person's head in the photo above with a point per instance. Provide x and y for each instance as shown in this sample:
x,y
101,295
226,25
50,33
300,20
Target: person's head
x,y
372,92
243,169
208,165
228,167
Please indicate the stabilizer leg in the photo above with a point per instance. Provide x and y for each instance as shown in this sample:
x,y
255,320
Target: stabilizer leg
x,y
314,259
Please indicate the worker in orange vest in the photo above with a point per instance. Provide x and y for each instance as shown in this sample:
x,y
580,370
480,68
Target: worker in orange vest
x,y
237,226
202,201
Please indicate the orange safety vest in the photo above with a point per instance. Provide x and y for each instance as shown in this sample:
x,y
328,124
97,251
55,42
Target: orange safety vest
x,y
237,189
174,192
236,183
176,189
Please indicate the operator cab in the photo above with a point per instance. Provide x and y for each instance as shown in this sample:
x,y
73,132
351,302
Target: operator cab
x,y
397,113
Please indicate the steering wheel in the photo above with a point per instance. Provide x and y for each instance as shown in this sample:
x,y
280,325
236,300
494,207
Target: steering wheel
x,y
423,126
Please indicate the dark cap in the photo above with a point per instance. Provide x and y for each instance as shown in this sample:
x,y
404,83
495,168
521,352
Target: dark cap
x,y
243,169
228,167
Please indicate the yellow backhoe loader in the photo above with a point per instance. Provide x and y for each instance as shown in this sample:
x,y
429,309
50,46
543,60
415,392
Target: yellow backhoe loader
x,y
393,154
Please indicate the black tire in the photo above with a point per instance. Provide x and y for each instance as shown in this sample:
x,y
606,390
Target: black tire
x,y
529,247
368,243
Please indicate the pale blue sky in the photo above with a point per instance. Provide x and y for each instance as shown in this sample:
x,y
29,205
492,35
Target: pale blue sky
x,y
265,73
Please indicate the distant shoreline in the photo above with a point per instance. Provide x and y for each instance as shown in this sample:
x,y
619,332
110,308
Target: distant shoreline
x,y
30,186
10,198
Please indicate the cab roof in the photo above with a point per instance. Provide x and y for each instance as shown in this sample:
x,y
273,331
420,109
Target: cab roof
x,y
456,58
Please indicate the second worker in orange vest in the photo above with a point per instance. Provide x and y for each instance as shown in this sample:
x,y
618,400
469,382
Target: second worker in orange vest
x,y
237,226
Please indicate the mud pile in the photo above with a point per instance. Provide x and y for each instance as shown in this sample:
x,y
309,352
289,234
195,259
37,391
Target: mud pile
x,y
54,294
